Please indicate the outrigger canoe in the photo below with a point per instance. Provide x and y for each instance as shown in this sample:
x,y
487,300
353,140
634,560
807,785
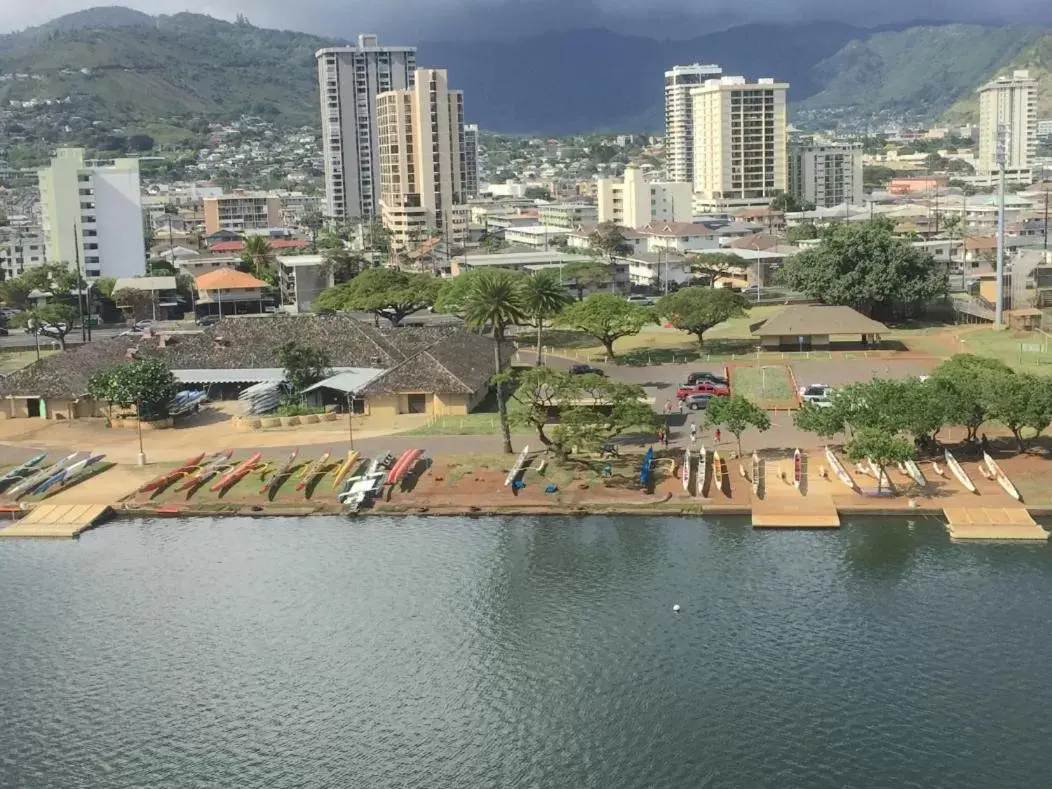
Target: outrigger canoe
x,y
66,473
1001,477
839,470
960,473
71,476
35,479
18,471
703,470
913,472
883,480
272,485
313,470
686,470
798,468
520,464
717,469
236,474
402,465
345,468
206,471
756,472
169,477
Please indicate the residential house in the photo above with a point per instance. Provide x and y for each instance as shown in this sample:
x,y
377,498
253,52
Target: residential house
x,y
301,279
163,303
227,291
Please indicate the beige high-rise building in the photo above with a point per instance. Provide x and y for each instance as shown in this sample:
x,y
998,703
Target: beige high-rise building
x,y
634,202
679,117
827,174
1010,102
739,142
422,161
349,79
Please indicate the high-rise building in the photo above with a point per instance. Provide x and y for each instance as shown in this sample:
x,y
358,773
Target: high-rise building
x,y
739,142
679,118
471,160
634,202
92,210
422,167
242,211
1008,105
350,78
826,174
21,248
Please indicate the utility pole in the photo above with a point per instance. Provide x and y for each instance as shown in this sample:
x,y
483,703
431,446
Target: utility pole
x,y
1002,132
1046,218
80,291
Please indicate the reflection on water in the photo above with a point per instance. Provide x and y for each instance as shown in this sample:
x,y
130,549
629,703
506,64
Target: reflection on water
x,y
522,653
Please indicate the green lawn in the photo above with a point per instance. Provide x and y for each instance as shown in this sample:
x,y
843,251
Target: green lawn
x,y
1030,352
484,422
765,382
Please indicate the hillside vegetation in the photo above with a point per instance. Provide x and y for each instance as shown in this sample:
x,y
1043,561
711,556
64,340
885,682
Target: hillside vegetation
x,y
1037,57
142,70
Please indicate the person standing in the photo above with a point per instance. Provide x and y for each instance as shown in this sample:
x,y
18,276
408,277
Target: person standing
x,y
681,407
693,433
717,435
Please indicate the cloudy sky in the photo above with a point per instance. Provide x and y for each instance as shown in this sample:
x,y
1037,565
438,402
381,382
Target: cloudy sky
x,y
434,19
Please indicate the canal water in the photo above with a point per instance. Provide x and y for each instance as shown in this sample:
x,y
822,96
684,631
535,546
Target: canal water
x,y
523,653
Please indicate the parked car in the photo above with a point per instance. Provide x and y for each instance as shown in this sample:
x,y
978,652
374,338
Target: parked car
x,y
694,378
751,290
697,401
817,394
142,325
637,298
53,329
585,369
207,320
4,331
704,387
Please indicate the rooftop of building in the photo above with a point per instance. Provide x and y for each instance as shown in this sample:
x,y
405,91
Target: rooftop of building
x,y
227,279
803,320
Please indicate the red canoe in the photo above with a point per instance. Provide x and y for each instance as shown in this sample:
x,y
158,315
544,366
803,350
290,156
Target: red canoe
x,y
239,471
402,465
173,475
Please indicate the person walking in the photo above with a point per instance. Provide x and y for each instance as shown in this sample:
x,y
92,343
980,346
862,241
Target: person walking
x,y
717,435
661,436
665,438
681,407
668,407
693,433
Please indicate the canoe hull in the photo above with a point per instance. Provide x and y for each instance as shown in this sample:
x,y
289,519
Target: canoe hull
x,y
960,473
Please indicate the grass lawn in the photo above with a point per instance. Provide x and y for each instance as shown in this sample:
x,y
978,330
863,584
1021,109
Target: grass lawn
x,y
759,383
484,422
12,362
1024,351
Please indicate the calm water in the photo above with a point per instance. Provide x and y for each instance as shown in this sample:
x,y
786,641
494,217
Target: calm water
x,y
520,653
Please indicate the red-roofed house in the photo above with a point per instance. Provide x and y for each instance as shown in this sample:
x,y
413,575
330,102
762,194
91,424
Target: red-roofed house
x,y
227,291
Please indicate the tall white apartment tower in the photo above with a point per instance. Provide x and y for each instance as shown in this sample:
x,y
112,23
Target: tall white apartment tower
x,y
423,171
679,118
92,210
739,142
1010,102
471,160
350,78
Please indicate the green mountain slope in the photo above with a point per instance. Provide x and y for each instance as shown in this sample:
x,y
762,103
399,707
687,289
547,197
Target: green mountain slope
x,y
920,68
181,65
1037,57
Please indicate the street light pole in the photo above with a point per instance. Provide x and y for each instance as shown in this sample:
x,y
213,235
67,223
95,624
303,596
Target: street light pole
x,y
138,424
1002,131
350,418
80,290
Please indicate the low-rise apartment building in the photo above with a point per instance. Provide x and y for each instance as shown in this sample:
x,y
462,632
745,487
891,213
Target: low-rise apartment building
x,y
567,215
21,248
301,279
227,291
242,211
633,201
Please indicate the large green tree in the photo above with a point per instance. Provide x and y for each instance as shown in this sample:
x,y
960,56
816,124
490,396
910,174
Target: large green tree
x,y
1020,401
879,447
496,299
50,320
385,292
962,385
587,274
259,258
591,409
608,240
709,266
865,266
607,317
303,365
696,310
146,383
544,297
737,413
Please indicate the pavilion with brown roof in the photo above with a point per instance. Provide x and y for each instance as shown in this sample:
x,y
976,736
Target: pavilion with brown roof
x,y
802,327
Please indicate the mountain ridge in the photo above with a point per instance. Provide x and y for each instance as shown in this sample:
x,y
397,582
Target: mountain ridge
x,y
126,67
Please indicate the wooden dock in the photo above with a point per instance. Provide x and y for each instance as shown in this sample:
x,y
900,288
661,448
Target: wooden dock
x,y
57,520
992,523
798,512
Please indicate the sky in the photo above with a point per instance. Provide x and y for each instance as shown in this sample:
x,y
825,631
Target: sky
x,y
415,20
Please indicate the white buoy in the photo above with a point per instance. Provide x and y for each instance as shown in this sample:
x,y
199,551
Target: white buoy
x,y
675,608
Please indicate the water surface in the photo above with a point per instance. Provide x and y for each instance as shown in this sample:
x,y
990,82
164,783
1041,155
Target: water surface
x,y
522,653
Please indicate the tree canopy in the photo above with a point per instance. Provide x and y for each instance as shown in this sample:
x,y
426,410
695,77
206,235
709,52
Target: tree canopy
x,y
385,292
587,273
696,310
737,413
53,320
544,297
135,303
146,383
865,266
303,365
608,241
711,265
880,448
591,409
607,317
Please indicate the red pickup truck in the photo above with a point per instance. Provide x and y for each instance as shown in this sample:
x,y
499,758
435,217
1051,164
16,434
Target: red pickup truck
x,y
704,387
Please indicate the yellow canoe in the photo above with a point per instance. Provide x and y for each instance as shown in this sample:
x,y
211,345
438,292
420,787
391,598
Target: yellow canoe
x,y
345,468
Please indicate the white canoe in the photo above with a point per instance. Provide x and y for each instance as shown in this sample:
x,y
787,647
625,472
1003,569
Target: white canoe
x,y
913,472
686,470
960,473
520,462
703,470
839,470
881,476
756,462
1002,478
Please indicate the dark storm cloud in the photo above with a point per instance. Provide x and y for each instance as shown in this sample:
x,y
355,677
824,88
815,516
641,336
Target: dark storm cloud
x,y
413,20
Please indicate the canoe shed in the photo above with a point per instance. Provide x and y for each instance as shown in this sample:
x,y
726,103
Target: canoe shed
x,y
805,327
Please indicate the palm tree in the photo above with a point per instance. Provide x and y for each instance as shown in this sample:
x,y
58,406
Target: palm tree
x,y
496,298
260,256
544,297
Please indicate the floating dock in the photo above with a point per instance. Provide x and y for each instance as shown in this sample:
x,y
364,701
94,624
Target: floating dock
x,y
798,512
58,520
992,523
